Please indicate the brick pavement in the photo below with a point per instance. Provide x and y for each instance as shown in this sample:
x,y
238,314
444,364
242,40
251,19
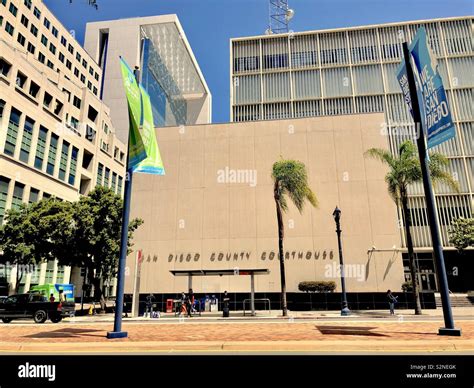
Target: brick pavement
x,y
190,335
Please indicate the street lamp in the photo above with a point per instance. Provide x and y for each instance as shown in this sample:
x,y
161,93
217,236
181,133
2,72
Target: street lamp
x,y
337,217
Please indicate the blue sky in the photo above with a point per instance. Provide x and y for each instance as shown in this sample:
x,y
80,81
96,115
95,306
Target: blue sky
x,y
209,24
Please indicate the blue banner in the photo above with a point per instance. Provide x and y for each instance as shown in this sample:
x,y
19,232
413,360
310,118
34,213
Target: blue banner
x,y
435,114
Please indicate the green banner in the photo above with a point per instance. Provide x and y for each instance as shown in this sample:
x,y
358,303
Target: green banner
x,y
136,148
153,163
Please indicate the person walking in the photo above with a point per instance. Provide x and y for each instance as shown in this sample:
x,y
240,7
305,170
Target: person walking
x,y
392,299
150,299
52,298
190,302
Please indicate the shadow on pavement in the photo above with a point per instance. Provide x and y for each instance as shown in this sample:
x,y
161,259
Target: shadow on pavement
x,y
349,330
67,333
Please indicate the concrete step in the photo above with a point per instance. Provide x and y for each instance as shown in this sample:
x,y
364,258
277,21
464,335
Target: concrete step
x,y
457,301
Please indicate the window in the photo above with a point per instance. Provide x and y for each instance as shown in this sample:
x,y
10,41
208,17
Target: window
x,y
4,67
48,98
13,10
53,149
61,57
41,57
34,30
24,21
84,64
46,23
106,129
54,31
44,40
50,64
34,89
114,181
83,78
52,48
20,79
76,102
1,20
12,132
68,64
119,185
100,172
37,12
18,191
96,76
78,57
59,107
90,133
68,94
26,140
70,48
4,2
9,28
21,39
94,89
73,166
4,183
76,72
41,147
63,41
106,177
63,160
74,122
89,85
34,195
31,48
27,3
91,70
92,114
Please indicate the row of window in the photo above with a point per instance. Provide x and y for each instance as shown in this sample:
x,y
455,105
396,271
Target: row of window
x,y
104,178
41,155
18,195
52,47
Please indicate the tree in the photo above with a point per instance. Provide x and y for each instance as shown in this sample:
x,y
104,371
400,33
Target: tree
x,y
94,241
461,234
405,169
25,238
290,180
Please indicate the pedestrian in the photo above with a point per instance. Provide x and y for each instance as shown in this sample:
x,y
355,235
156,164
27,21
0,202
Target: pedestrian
x,y
52,298
150,299
392,299
62,297
225,309
190,302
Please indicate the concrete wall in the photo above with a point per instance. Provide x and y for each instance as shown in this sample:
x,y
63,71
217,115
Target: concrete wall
x,y
191,217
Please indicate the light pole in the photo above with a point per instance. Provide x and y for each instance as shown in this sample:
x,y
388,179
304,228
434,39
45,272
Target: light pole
x,y
337,217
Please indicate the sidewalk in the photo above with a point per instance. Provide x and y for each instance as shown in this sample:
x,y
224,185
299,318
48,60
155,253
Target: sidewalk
x,y
458,313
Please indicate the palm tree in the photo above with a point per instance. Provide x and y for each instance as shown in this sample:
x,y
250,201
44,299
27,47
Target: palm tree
x,y
405,169
290,179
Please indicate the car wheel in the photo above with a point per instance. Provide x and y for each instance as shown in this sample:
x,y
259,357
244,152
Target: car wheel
x,y
56,319
40,316
6,320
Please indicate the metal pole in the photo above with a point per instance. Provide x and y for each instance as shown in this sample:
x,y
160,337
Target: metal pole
x,y
252,293
449,328
345,309
118,333
136,288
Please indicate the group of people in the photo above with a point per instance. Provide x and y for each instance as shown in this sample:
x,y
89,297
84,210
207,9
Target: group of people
x,y
62,298
186,304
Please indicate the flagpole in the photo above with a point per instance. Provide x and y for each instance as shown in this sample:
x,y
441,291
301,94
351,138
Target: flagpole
x,y
118,333
449,328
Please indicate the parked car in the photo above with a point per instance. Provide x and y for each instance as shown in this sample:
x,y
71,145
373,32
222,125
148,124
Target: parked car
x,y
36,306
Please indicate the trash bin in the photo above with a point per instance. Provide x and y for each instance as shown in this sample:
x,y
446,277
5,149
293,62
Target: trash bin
x,y
169,305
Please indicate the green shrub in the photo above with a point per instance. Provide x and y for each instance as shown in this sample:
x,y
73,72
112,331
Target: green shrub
x,y
317,286
407,287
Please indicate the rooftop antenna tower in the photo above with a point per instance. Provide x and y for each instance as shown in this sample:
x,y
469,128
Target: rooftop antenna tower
x,y
279,17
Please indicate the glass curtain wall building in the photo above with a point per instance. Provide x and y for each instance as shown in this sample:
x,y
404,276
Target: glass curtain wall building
x,y
169,70
353,70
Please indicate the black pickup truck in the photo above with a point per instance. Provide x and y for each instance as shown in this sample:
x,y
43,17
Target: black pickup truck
x,y
36,306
